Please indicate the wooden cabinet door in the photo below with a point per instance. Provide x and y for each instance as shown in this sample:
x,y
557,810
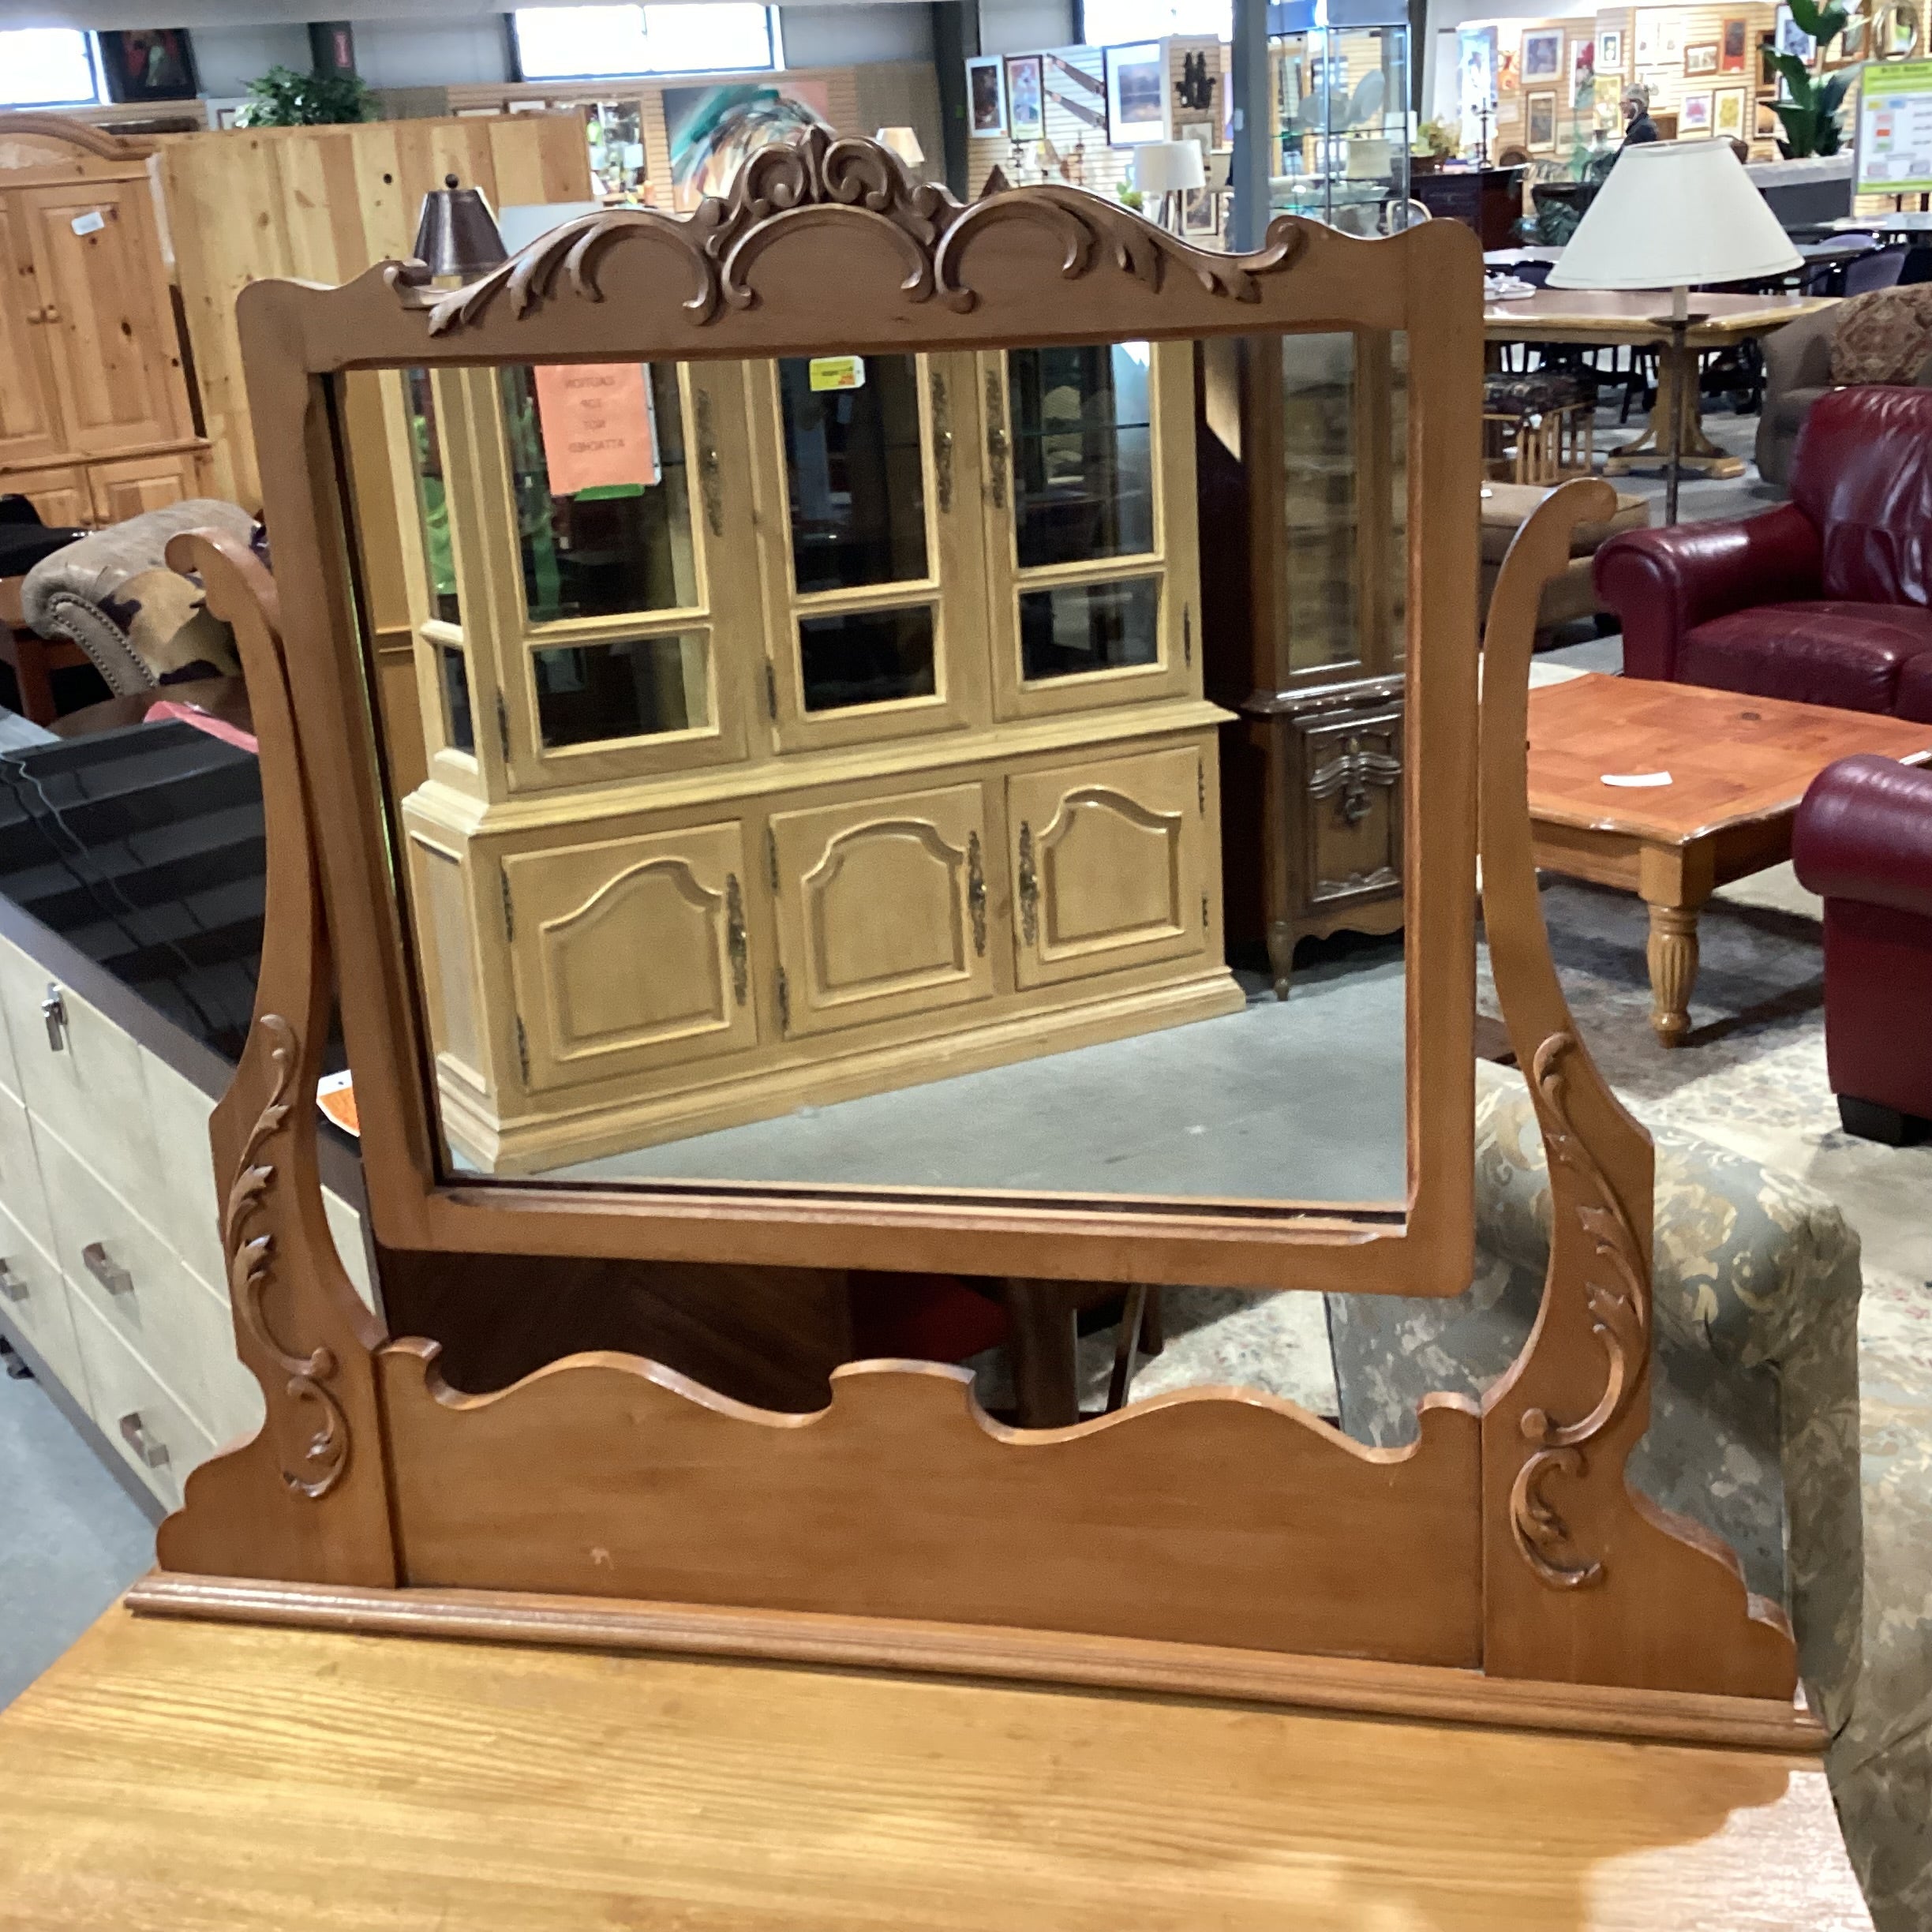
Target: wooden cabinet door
x,y
630,953
1350,846
881,908
108,328
1109,863
126,488
30,424
61,497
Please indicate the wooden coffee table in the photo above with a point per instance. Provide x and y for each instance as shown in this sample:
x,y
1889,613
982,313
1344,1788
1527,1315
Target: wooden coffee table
x,y
1738,767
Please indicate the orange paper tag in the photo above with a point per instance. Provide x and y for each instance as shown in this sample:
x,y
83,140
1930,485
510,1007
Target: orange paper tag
x,y
596,426
335,1096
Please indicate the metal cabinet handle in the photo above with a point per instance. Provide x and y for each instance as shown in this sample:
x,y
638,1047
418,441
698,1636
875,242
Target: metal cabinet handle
x,y
109,1273
737,946
53,1011
11,1286
976,893
134,1432
996,435
1029,887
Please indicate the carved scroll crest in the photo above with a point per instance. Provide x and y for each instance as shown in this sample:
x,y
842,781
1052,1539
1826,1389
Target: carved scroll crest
x,y
251,1262
1619,1319
818,177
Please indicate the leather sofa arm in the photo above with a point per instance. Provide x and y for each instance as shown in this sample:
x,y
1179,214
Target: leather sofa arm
x,y
1663,582
1864,831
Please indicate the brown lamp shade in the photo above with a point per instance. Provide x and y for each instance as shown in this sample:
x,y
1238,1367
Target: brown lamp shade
x,y
457,234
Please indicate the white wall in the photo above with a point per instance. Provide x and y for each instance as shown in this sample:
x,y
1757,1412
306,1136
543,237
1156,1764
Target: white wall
x,y
227,58
422,53
1021,26
841,36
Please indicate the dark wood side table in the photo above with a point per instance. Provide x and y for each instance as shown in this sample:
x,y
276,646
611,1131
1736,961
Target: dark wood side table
x,y
33,658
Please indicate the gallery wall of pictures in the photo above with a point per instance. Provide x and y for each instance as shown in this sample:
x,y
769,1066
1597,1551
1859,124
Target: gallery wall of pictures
x,y
1077,113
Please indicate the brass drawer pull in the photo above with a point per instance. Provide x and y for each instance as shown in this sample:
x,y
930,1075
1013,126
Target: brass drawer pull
x,y
109,1273
134,1432
942,441
1029,887
11,1286
976,893
737,947
996,437
53,1011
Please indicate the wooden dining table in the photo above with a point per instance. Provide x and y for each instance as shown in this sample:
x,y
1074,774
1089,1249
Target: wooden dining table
x,y
1641,317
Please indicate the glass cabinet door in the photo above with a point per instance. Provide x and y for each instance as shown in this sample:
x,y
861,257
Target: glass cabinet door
x,y
869,558
606,502
1092,558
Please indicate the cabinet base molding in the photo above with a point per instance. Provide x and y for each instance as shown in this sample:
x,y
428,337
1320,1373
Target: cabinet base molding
x,y
1358,1686
536,1146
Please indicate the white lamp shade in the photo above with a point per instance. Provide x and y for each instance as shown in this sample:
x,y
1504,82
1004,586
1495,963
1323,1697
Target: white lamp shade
x,y
1675,214
904,143
1169,168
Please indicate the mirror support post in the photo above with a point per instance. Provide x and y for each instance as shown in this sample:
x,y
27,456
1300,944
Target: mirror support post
x,y
1250,82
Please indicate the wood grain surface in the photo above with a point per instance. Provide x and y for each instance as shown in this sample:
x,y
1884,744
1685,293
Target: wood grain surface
x,y
1641,316
177,1778
1731,757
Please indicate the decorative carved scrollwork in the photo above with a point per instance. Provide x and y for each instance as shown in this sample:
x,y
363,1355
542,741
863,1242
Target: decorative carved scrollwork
x,y
976,892
251,1260
1351,774
818,177
1619,1308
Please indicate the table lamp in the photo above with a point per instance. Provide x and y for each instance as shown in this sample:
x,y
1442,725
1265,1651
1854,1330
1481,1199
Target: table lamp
x,y
1168,169
456,234
904,143
1676,215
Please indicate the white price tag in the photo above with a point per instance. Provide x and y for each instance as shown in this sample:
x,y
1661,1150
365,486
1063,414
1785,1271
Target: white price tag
x,y
1637,781
91,222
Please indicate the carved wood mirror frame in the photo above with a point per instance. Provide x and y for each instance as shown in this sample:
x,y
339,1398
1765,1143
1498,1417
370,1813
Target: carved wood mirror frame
x,y
1209,1541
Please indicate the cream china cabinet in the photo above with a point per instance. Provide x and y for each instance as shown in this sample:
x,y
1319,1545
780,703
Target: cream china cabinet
x,y
800,730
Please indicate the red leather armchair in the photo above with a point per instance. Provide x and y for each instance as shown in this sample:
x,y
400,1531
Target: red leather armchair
x,y
1862,841
1824,599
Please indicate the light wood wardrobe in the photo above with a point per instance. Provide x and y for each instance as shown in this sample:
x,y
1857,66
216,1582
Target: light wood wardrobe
x,y
862,744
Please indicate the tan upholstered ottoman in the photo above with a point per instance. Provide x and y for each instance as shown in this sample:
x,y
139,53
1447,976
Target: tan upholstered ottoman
x,y
1506,508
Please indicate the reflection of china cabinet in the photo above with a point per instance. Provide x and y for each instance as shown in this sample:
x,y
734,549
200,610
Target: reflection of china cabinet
x,y
1303,473
850,707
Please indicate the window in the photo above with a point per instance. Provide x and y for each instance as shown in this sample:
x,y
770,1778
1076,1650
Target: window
x,y
47,67
1109,23
600,42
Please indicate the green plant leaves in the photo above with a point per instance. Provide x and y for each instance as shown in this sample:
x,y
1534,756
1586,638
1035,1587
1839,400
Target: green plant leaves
x,y
283,98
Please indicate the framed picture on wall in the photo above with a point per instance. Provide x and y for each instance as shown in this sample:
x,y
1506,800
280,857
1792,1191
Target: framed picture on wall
x,y
1693,115
1734,42
1701,59
1137,91
1728,113
986,94
148,64
1610,51
1792,38
1026,97
1200,212
1540,122
1542,54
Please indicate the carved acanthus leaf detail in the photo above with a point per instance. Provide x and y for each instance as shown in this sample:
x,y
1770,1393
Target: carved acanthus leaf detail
x,y
1617,1296
818,177
250,1265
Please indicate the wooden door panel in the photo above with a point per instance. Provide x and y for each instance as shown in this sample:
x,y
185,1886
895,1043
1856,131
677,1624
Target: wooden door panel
x,y
30,427
1352,819
117,366
61,497
136,484
1108,864
630,953
881,908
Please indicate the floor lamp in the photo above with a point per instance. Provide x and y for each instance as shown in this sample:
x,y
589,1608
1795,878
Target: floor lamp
x,y
1676,215
1167,169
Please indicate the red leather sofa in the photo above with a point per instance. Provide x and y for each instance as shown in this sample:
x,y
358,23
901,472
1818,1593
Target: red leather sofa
x,y
1863,842
1824,599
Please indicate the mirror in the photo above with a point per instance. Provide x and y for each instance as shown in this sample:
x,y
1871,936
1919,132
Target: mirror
x,y
962,770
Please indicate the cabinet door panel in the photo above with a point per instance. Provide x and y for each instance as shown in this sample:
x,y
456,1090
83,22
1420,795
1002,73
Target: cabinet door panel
x,y
631,953
36,1300
138,484
1352,822
30,427
881,908
108,325
1108,864
61,498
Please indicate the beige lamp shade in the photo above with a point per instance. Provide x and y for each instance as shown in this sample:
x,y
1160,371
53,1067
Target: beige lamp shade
x,y
904,143
1169,168
1675,214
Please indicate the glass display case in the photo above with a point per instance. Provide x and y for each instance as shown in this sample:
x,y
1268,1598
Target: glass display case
x,y
1341,120
783,717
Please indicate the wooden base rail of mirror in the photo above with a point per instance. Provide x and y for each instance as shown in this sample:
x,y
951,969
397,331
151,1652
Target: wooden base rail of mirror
x,y
1358,1686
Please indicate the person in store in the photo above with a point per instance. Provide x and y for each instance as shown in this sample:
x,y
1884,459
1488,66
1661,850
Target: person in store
x,y
1637,125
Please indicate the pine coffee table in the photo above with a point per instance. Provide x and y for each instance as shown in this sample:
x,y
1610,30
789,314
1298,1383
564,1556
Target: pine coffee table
x,y
1737,767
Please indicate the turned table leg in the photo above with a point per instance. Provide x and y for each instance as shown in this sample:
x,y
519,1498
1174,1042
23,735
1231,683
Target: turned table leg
x,y
1674,881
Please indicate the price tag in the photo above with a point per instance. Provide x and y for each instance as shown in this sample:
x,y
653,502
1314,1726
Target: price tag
x,y
91,222
598,429
836,372
1637,781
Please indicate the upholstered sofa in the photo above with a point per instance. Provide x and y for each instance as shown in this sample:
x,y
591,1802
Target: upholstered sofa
x,y
1862,841
1823,599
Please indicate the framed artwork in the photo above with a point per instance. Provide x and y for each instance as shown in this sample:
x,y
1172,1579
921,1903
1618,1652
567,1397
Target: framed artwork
x,y
1693,115
1855,43
1610,51
1701,59
148,64
1792,38
1026,97
1727,113
1540,119
1508,75
1583,72
1896,34
986,95
1734,44
1200,212
1646,38
713,130
1136,94
1542,54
